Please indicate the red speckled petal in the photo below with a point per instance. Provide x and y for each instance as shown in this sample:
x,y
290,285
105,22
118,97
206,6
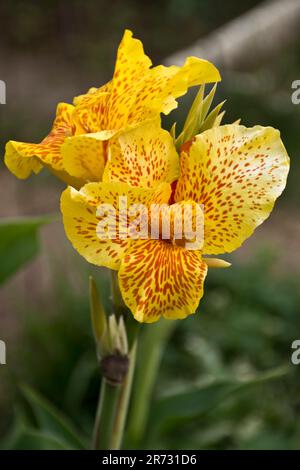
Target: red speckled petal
x,y
138,92
22,158
84,157
81,218
237,174
158,279
144,157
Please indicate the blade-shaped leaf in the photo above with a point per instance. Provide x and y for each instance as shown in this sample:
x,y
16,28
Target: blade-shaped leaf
x,y
18,243
199,400
31,439
52,421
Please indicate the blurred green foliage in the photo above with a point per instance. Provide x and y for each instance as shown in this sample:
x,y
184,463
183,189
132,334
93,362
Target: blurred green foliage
x,y
226,380
18,243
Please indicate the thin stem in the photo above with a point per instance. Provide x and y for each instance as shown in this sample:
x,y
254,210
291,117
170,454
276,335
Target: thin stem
x,y
105,417
150,353
122,411
114,399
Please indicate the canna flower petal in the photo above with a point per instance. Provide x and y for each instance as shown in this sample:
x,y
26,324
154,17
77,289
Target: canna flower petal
x,y
237,174
159,279
93,117
84,157
162,85
85,98
138,92
81,218
144,156
22,159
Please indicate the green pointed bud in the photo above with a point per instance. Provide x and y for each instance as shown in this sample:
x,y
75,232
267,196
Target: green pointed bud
x,y
209,121
199,118
123,337
192,119
117,335
219,119
115,362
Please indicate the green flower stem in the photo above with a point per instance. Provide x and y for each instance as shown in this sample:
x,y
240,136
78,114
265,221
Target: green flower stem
x,y
122,411
106,415
151,348
114,399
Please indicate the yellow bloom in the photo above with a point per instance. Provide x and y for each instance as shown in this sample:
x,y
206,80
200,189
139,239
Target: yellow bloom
x,y
76,149
234,172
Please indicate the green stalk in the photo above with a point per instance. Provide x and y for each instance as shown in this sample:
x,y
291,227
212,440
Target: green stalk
x,y
105,417
150,353
122,411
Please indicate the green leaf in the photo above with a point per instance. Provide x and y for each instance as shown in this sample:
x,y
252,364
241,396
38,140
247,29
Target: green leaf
x,y
18,243
51,421
30,439
196,401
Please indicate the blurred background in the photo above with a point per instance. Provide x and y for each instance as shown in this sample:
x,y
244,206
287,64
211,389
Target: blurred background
x,y
226,379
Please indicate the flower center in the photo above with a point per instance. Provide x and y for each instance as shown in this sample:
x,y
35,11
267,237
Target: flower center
x,y
180,224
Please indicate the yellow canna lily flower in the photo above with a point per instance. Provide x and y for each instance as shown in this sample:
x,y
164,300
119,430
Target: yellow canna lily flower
x,y
76,148
236,173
